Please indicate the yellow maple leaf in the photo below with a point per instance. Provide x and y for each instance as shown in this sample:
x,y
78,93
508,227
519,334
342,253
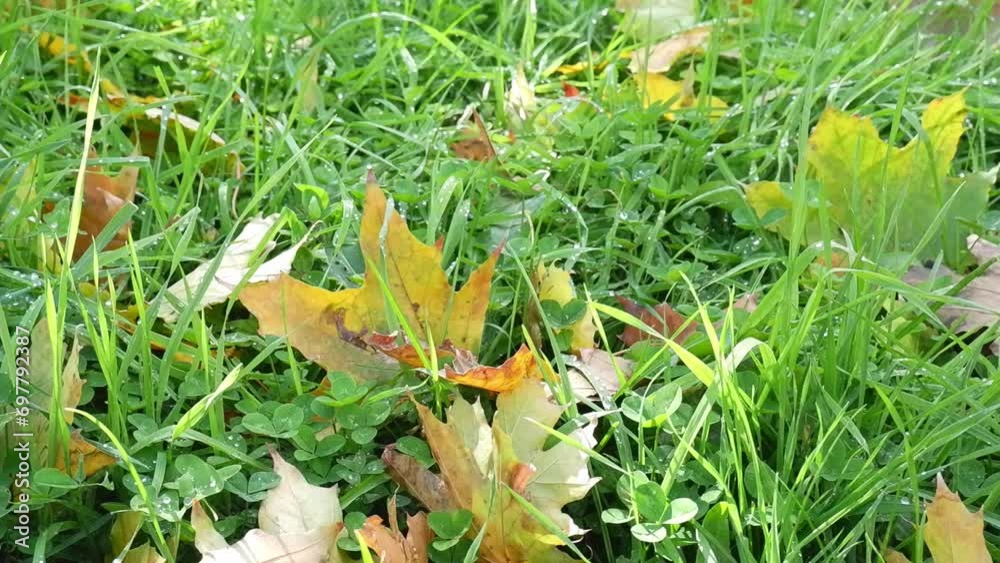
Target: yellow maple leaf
x,y
555,284
325,325
507,376
656,88
953,533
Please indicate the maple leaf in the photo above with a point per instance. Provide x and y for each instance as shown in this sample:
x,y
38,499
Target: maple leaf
x,y
466,371
103,198
324,325
143,554
233,268
662,318
597,373
863,179
983,291
555,284
658,89
298,523
391,545
952,532
483,467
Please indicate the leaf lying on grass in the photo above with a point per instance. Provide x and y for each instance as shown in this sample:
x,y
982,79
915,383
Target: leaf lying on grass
x,y
862,178
662,319
299,523
953,533
483,467
391,545
652,19
476,144
323,324
519,367
983,291
660,57
678,96
103,197
233,267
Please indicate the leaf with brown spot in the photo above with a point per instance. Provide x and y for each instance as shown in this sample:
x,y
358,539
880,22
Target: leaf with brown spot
x,y
391,545
425,485
476,144
325,325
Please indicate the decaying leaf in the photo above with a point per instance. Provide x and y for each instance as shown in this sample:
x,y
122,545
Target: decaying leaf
x,y
983,291
652,19
865,183
423,484
660,57
324,325
299,523
405,352
483,466
103,198
519,367
555,284
679,97
391,545
234,266
476,144
662,318
124,530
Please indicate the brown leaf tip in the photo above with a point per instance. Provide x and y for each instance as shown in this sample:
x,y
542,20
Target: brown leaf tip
x,y
370,179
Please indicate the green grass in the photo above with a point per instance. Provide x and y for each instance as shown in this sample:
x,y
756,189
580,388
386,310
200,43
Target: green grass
x,y
822,446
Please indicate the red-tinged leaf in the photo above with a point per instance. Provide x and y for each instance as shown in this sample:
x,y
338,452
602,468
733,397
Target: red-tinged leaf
x,y
519,367
662,318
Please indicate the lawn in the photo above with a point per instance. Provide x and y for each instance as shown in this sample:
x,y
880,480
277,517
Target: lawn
x,y
505,281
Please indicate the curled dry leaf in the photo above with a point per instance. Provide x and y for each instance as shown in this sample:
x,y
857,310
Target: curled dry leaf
x,y
103,197
391,545
325,325
299,523
519,367
234,266
404,352
423,484
473,456
662,318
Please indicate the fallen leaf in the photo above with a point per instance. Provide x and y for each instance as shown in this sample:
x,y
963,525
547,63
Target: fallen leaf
x,y
234,266
678,96
473,458
425,485
863,180
662,318
299,523
660,57
477,144
103,198
143,554
653,19
148,123
405,353
391,545
983,291
569,90
555,284
324,325
596,373
953,533
466,371
892,556
85,458
124,530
